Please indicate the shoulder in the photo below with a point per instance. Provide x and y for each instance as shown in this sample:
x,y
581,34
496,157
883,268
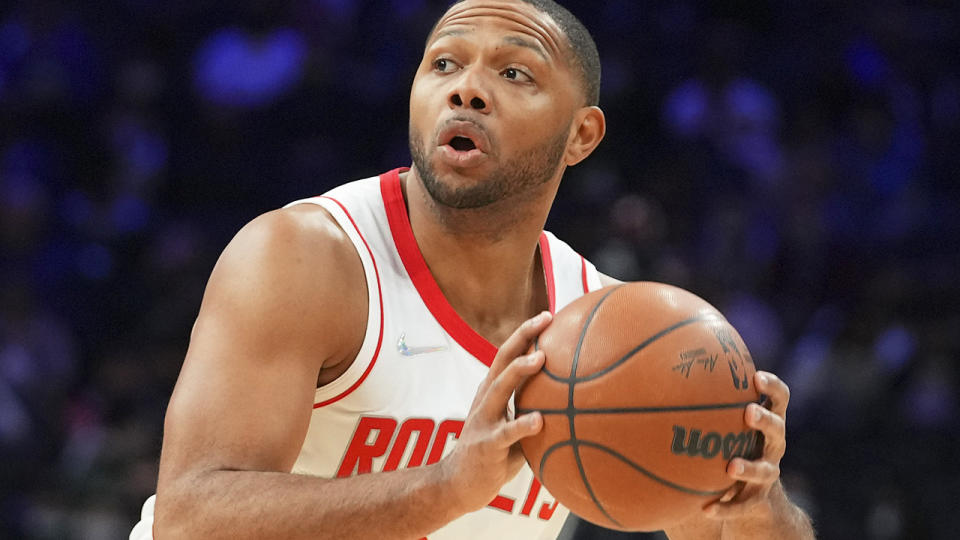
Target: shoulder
x,y
304,229
299,250
285,276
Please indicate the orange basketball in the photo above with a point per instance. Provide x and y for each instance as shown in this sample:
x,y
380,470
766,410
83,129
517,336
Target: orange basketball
x,y
642,395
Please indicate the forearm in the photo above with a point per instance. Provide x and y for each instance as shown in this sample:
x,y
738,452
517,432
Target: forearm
x,y
407,503
778,518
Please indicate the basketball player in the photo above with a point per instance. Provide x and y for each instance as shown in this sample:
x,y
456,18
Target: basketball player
x,y
350,371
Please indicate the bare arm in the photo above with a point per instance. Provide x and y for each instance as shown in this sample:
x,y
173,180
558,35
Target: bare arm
x,y
776,517
285,301
761,509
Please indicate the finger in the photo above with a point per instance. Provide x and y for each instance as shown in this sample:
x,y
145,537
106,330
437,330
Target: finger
x,y
753,472
776,389
728,495
774,428
731,493
740,505
514,430
495,399
518,343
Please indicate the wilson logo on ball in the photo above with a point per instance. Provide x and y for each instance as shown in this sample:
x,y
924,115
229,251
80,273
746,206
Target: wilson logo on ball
x,y
710,445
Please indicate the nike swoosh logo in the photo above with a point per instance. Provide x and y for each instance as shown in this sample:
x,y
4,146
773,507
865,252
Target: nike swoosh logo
x,y
412,351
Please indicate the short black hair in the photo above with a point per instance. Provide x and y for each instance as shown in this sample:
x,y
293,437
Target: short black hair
x,y
583,50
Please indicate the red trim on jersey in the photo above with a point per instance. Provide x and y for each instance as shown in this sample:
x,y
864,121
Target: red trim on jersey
x,y
548,271
583,275
419,273
376,352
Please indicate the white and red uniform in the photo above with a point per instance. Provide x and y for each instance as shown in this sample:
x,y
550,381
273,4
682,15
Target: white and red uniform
x,y
403,401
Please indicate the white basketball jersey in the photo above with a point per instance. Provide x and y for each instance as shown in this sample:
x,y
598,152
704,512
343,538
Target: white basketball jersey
x,y
403,400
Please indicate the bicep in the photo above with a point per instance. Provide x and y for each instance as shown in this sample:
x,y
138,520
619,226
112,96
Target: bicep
x,y
235,408
245,393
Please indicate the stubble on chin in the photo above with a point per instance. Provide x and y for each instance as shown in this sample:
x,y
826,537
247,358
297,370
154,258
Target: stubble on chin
x,y
523,174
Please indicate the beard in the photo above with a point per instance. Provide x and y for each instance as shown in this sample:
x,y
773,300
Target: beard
x,y
515,176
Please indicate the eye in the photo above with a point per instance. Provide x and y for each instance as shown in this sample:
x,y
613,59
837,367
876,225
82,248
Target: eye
x,y
515,74
443,65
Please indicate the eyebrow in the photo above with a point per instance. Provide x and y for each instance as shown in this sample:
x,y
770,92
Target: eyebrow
x,y
450,32
520,42
510,40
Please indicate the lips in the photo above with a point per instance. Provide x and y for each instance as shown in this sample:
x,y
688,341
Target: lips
x,y
463,136
462,144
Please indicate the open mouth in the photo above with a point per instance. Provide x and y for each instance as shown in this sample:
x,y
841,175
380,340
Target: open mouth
x,y
462,144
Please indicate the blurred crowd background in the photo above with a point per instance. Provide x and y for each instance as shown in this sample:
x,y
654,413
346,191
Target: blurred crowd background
x,y
794,163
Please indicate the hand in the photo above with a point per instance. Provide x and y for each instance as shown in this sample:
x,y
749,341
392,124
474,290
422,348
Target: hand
x,y
759,476
486,456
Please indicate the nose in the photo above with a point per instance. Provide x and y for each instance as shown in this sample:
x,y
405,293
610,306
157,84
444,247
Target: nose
x,y
475,102
469,92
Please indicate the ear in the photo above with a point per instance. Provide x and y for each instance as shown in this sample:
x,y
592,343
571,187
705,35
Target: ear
x,y
587,130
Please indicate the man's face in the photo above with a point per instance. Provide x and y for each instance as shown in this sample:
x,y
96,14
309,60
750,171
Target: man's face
x,y
491,104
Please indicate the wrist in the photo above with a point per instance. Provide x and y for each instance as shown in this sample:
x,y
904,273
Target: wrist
x,y
774,513
443,487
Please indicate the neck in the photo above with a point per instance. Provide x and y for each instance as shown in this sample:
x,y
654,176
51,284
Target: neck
x,y
484,260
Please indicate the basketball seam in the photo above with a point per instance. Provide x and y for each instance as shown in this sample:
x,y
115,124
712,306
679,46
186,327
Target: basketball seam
x,y
651,475
574,379
643,410
632,464
571,415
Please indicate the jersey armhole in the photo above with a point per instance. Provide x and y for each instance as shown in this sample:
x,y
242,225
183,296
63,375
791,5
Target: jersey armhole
x,y
573,275
363,363
589,276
